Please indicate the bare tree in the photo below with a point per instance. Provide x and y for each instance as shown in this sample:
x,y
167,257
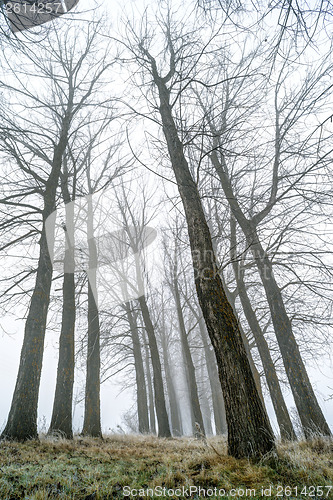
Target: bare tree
x,y
215,386
141,388
92,416
130,241
151,402
249,431
298,22
169,363
63,106
173,276
310,412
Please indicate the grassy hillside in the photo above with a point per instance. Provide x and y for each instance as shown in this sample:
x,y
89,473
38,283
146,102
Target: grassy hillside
x,y
100,469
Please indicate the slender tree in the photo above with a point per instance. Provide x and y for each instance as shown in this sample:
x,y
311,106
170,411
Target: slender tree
x,y
280,408
204,397
92,416
131,241
151,403
61,420
175,414
141,388
215,386
197,420
161,413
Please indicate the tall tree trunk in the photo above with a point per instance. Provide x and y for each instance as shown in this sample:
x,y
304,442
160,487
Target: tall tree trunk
x,y
22,419
231,297
141,389
92,411
311,415
198,428
61,421
280,408
175,417
206,411
215,385
152,421
249,430
161,413
255,373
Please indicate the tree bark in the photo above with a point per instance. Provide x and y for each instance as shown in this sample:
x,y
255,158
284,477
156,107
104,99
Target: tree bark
x,y
249,430
161,413
231,297
61,420
255,373
141,389
310,413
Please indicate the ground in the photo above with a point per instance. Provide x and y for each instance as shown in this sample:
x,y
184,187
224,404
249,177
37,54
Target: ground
x,y
120,465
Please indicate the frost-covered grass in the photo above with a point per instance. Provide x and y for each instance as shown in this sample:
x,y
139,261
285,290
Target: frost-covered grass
x,y
100,469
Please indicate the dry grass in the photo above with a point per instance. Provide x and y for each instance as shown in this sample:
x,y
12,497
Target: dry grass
x,y
99,469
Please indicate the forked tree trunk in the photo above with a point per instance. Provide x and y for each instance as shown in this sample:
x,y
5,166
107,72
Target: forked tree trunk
x,y
22,420
280,408
249,430
141,389
161,413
